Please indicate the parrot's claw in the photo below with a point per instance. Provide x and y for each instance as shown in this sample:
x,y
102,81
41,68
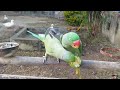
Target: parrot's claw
x,y
58,60
44,59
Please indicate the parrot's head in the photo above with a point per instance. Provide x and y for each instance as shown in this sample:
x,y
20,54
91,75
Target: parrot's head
x,y
71,39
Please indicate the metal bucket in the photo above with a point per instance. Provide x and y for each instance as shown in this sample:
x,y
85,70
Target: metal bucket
x,y
8,49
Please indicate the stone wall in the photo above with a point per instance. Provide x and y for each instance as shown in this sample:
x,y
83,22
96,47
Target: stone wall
x,y
111,27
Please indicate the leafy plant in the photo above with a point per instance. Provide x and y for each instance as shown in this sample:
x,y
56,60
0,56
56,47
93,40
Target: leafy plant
x,y
90,19
76,18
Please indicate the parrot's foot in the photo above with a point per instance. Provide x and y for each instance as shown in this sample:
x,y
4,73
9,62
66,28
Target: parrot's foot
x,y
44,59
77,71
58,60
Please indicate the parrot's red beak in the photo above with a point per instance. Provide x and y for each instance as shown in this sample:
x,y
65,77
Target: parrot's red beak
x,y
76,44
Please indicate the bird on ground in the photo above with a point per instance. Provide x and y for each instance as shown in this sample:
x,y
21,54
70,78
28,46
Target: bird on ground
x,y
5,19
9,24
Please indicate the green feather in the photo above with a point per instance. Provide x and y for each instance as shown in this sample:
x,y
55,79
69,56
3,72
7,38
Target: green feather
x,y
39,36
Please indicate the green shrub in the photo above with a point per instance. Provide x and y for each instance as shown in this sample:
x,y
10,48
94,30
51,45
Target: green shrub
x,y
76,18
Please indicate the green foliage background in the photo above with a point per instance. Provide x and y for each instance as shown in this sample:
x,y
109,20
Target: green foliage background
x,y
92,20
76,18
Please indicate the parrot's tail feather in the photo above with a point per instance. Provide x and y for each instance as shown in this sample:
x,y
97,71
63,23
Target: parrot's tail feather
x,y
40,36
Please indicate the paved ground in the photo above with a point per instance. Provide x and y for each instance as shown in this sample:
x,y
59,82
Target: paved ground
x,y
34,21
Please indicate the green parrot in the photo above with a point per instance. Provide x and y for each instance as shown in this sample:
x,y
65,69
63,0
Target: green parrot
x,y
67,49
70,41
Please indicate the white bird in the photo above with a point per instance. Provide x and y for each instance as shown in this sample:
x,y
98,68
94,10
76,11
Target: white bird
x,y
5,17
52,25
9,24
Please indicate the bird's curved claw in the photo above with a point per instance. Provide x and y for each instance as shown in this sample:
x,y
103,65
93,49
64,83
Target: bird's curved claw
x,y
44,59
58,60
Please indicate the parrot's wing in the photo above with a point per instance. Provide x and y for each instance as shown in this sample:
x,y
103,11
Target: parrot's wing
x,y
51,31
54,32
